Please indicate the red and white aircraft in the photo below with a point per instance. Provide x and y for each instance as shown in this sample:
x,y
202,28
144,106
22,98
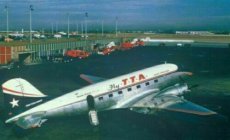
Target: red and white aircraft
x,y
143,91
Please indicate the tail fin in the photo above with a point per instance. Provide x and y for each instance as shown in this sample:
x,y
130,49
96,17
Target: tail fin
x,y
19,96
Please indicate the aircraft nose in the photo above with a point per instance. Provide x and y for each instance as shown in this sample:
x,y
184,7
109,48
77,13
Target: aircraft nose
x,y
184,75
188,73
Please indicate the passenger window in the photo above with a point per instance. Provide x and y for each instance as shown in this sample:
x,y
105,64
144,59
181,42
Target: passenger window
x,y
120,92
100,98
156,80
138,86
129,89
147,83
110,95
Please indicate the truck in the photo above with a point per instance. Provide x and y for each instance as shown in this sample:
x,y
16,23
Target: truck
x,y
77,54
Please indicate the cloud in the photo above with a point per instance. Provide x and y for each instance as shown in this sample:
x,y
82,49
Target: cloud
x,y
129,12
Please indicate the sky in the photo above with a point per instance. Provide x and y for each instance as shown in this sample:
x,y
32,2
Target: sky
x,y
130,14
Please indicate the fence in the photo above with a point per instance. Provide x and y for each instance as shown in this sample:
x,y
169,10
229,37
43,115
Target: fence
x,y
59,48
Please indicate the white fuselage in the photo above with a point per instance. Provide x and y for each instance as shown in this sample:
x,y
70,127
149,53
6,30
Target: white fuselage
x,y
114,93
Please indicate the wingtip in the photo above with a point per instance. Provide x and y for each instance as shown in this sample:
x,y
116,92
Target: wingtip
x,y
208,113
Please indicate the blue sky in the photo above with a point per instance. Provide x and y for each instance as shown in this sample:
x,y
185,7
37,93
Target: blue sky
x,y
132,14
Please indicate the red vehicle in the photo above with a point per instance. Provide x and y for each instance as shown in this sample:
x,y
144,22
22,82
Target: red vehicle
x,y
127,45
106,51
77,54
140,43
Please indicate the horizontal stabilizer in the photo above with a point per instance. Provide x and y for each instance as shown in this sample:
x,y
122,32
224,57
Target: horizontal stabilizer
x,y
31,121
91,79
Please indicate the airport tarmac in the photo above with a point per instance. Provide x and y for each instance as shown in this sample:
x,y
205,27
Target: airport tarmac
x,y
211,69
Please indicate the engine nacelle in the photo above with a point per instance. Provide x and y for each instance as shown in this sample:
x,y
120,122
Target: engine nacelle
x,y
178,89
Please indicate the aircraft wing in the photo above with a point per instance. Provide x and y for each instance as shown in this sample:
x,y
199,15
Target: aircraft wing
x,y
169,102
92,79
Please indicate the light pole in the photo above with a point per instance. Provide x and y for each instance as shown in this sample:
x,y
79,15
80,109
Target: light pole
x,y
86,15
52,28
56,27
116,26
82,29
68,24
7,21
102,28
31,9
76,27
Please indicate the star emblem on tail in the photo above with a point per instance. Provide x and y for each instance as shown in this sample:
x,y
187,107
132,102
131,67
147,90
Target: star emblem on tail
x,y
14,103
